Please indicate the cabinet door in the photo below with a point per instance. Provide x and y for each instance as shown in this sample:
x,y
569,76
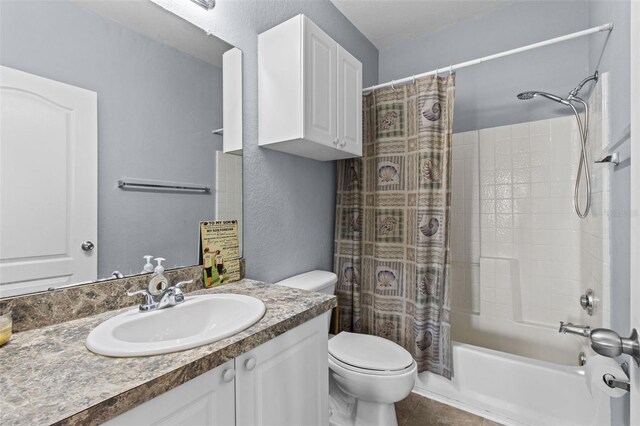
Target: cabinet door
x,y
319,76
206,400
349,103
285,381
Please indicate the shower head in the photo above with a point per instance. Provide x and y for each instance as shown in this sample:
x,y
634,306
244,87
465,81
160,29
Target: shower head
x,y
525,96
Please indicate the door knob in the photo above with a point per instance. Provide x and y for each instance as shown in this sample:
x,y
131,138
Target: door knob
x,y
609,343
228,375
250,364
87,246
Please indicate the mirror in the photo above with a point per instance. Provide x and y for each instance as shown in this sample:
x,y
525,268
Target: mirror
x,y
100,92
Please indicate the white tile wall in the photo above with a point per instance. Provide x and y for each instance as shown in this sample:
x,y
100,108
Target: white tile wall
x,y
595,227
526,187
520,255
465,230
229,189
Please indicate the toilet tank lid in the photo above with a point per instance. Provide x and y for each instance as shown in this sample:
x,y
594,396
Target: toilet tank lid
x,y
311,281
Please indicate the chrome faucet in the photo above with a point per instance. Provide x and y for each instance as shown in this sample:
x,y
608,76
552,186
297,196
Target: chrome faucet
x,y
580,330
170,296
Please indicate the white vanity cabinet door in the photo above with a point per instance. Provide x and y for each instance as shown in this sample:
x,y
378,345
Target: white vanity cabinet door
x,y
320,85
285,380
349,103
206,400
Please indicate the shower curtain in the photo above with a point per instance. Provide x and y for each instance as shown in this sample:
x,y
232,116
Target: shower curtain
x,y
392,223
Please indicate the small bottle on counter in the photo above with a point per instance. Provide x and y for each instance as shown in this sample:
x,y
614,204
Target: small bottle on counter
x,y
6,327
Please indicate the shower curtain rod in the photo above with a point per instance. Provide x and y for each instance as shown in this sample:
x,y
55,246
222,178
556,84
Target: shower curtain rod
x,y
451,68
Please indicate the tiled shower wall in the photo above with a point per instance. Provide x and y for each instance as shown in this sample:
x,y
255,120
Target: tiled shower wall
x,y
595,272
520,255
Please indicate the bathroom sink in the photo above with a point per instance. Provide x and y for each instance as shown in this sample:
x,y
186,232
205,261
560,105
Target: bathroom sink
x,y
198,321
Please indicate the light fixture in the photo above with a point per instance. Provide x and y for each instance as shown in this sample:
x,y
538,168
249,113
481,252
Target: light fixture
x,y
207,4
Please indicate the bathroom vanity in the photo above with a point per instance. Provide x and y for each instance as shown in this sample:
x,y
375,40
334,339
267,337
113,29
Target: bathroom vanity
x,y
274,372
282,381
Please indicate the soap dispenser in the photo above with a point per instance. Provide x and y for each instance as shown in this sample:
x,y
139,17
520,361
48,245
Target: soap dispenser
x,y
158,282
148,267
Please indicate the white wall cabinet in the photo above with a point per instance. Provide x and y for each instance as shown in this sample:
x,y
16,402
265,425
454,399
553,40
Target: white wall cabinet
x,y
232,101
310,93
283,382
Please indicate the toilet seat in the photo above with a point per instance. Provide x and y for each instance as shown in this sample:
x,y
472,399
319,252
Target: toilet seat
x,y
369,372
368,354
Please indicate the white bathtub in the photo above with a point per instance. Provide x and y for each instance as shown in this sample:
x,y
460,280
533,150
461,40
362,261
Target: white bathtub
x,y
512,389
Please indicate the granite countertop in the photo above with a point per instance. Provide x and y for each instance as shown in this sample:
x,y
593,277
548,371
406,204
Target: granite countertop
x,y
49,377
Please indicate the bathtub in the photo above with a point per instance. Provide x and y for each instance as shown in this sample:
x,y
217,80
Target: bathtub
x,y
515,390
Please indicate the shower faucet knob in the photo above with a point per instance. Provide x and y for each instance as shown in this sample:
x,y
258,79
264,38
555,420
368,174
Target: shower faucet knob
x,y
587,301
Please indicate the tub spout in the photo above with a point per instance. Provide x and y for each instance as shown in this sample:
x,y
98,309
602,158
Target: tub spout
x,y
580,330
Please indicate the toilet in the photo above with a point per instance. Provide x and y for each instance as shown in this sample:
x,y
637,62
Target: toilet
x,y
367,374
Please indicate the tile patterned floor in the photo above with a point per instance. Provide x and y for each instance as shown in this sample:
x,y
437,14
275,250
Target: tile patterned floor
x,y
416,410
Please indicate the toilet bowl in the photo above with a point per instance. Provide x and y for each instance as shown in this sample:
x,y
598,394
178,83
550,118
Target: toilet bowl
x,y
367,374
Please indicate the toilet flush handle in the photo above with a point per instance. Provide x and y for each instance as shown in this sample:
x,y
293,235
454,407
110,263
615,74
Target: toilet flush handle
x,y
250,364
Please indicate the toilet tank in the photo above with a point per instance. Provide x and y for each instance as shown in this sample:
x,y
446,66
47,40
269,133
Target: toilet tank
x,y
318,281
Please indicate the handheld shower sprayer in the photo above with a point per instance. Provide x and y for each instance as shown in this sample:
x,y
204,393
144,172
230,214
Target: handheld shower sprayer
x,y
583,128
525,96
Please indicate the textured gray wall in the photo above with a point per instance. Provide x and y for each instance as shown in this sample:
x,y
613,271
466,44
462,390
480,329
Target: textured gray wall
x,y
289,201
156,109
486,93
616,60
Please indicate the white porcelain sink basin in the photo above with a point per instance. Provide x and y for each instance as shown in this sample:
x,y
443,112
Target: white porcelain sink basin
x,y
198,321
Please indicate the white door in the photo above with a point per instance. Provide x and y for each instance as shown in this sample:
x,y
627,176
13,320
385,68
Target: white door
x,y
319,85
635,201
207,400
285,381
349,103
48,183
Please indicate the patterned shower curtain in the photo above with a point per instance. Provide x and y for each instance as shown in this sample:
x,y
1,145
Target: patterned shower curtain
x,y
392,223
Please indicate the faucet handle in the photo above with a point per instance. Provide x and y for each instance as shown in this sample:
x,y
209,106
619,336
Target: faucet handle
x,y
149,301
183,283
144,291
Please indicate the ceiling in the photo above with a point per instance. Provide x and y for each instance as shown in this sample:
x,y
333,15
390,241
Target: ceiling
x,y
153,21
389,22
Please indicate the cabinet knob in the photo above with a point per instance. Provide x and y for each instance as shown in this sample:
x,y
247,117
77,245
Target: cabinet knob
x,y
343,143
335,141
228,375
250,364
